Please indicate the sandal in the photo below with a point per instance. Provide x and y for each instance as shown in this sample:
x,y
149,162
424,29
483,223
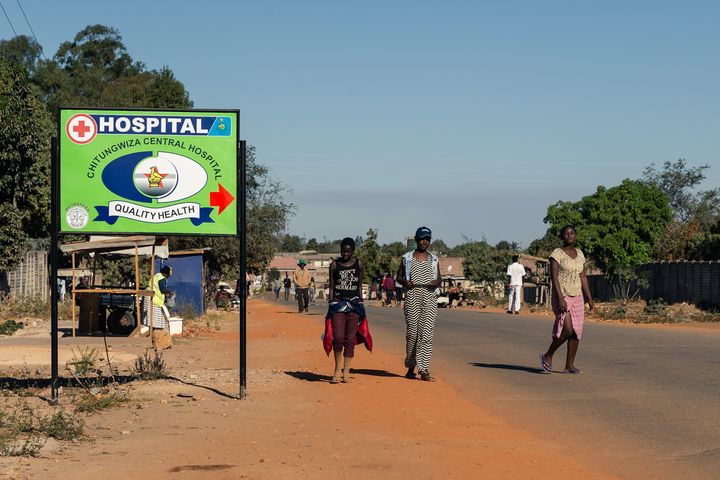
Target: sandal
x,y
426,377
544,364
572,371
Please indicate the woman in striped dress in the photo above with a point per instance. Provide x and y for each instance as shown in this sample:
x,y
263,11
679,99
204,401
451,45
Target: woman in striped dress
x,y
419,273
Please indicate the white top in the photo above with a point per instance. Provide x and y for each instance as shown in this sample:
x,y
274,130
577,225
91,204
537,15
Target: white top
x,y
516,272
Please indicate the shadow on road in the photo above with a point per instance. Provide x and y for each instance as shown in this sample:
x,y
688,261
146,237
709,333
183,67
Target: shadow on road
x,y
502,366
314,377
309,376
374,373
214,390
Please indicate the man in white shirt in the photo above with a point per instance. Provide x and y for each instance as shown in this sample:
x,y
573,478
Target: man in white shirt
x,y
515,272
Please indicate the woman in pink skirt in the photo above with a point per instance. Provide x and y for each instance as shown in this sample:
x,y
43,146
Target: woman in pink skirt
x,y
567,272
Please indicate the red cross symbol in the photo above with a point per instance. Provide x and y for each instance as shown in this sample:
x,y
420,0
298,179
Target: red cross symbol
x,y
81,128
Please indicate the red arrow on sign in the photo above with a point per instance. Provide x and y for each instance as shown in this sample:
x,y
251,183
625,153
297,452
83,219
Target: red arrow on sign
x,y
221,199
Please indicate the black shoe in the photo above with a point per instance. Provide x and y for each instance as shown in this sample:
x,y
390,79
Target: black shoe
x,y
509,312
426,377
410,373
306,310
517,312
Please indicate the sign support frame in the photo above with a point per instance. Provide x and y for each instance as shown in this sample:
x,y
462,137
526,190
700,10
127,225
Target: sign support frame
x,y
240,232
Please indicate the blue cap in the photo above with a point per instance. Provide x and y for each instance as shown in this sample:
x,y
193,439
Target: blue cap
x,y
423,232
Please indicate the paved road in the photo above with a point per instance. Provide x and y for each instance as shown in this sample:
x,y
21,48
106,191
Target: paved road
x,y
647,404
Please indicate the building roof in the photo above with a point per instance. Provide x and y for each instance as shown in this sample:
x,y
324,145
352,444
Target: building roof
x,y
283,263
146,245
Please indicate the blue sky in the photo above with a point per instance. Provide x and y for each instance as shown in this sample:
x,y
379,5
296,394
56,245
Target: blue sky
x,y
469,117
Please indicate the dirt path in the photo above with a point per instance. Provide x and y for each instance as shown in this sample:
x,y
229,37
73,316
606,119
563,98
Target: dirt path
x,y
294,424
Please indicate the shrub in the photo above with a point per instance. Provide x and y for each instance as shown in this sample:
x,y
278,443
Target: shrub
x,y
24,430
656,307
89,403
85,360
614,311
14,306
9,327
149,367
62,426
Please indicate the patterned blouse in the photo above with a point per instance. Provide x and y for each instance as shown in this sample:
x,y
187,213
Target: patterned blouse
x,y
570,270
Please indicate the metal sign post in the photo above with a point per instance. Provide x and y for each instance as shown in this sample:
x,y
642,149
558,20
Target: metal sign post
x,y
54,380
243,269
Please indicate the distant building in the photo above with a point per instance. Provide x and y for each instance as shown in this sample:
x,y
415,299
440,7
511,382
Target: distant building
x,y
317,263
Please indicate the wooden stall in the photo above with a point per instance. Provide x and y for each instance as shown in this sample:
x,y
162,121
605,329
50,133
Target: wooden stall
x,y
93,299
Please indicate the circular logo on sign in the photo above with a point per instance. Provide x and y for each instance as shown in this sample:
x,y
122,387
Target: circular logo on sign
x,y
81,128
156,177
77,216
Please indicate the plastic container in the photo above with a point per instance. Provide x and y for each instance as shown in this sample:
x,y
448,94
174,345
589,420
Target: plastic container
x,y
176,325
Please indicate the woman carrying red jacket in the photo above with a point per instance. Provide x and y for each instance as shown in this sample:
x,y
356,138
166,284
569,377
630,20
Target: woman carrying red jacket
x,y
346,309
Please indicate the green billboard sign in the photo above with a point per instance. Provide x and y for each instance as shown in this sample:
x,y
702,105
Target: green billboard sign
x,y
140,171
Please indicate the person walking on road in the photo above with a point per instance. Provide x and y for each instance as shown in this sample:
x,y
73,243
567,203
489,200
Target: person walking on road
x,y
419,273
312,291
388,286
346,310
516,273
286,285
301,277
569,284
276,289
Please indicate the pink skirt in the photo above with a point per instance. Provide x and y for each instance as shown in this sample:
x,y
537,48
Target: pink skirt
x,y
576,305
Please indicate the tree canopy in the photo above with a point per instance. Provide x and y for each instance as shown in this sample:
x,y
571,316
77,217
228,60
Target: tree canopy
x,y
617,227
25,130
696,213
375,260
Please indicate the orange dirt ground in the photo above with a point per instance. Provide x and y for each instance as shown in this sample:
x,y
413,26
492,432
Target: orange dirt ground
x,y
294,424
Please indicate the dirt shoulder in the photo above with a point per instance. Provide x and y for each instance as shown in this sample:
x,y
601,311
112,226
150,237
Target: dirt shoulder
x,y
293,424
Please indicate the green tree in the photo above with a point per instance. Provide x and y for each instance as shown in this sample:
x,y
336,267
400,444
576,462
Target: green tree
x,y
95,70
311,244
25,129
291,243
394,249
438,246
329,246
617,227
507,246
543,247
677,180
22,50
483,262
370,254
694,212
705,246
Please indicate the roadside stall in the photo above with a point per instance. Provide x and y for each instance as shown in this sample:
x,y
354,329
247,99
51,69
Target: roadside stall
x,y
114,309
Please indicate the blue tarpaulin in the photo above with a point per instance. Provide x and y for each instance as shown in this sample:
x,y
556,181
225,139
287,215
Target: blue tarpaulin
x,y
186,281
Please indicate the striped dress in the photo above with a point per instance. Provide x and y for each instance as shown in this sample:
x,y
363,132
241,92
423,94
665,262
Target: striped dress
x,y
159,314
420,313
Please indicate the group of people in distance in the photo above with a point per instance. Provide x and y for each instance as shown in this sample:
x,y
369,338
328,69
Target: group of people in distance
x,y
419,274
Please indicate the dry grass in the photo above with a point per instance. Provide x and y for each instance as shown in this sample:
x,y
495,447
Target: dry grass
x,y
654,311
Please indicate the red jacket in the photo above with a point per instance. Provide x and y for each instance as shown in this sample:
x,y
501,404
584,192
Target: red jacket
x,y
363,335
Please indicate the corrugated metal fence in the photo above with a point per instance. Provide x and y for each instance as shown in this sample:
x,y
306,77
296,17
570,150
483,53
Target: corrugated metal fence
x,y
693,282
